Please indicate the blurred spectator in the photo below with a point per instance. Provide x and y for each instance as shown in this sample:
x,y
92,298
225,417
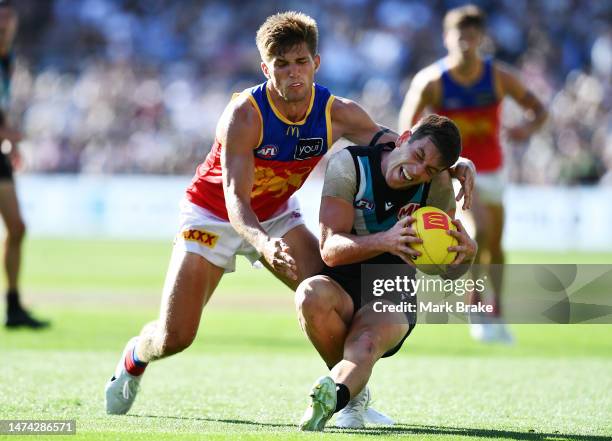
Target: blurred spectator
x,y
135,86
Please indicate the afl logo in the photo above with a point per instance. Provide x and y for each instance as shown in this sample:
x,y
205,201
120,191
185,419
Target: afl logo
x,y
267,151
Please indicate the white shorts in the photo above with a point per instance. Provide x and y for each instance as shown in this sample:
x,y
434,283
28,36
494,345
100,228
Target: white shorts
x,y
203,233
490,187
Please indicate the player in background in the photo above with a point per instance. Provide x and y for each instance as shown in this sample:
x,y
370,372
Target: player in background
x,y
268,140
16,315
469,88
368,197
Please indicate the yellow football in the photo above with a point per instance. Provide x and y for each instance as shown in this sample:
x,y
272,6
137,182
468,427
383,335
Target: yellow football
x,y
431,225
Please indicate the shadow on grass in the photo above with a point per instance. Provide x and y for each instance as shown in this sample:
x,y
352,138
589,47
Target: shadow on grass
x,y
217,420
452,432
405,429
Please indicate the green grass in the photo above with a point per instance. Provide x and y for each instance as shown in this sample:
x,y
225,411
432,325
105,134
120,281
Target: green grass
x,y
247,375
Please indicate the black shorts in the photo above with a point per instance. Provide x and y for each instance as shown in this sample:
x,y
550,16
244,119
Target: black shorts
x,y
6,168
349,278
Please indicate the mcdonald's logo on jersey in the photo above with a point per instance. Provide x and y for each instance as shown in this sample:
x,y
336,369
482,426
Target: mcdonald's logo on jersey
x,y
433,221
293,131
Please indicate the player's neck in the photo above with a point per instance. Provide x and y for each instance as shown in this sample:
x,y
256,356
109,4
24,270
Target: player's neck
x,y
465,68
293,111
384,161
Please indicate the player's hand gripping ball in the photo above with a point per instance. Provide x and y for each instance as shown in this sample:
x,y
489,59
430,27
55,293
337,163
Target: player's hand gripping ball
x,y
431,225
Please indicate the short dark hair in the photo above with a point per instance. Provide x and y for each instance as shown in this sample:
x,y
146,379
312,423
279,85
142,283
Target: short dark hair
x,y
443,132
463,17
281,32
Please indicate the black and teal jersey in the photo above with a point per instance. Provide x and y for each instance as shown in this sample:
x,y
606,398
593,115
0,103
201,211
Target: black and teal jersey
x,y
377,206
6,70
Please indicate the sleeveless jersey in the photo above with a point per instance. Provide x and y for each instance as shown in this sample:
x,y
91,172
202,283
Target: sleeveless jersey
x,y
377,207
284,157
6,70
476,111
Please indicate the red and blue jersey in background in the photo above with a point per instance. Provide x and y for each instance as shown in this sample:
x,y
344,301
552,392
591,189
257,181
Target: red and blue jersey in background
x,y
284,157
476,111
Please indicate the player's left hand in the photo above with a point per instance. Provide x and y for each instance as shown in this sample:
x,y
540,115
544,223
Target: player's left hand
x,y
16,158
466,248
465,173
518,133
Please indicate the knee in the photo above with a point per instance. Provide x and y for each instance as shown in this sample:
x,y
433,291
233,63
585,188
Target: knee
x,y
483,235
312,298
363,349
497,254
16,232
173,342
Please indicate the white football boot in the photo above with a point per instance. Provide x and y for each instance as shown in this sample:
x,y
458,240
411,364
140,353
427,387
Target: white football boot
x,y
495,331
503,334
323,403
358,412
122,388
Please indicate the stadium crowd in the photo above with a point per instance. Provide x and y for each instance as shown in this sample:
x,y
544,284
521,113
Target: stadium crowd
x,y
136,86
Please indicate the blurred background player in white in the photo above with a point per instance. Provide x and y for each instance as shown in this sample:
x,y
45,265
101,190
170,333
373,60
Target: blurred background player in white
x,y
16,315
469,88
368,197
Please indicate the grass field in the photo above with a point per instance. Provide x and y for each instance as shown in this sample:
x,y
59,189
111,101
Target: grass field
x,y
248,374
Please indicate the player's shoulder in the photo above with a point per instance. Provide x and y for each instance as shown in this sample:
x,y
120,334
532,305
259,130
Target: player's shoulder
x,y
507,79
429,75
504,70
343,106
242,108
427,83
340,164
347,112
340,158
241,118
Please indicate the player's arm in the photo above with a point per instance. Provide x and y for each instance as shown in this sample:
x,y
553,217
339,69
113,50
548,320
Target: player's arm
x,y
238,131
441,195
423,93
535,112
464,171
351,121
11,134
338,246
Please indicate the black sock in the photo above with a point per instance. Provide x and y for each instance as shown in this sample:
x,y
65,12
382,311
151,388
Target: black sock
x,y
343,396
12,300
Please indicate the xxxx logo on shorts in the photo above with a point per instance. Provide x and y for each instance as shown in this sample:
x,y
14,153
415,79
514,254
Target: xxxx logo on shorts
x,y
204,237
